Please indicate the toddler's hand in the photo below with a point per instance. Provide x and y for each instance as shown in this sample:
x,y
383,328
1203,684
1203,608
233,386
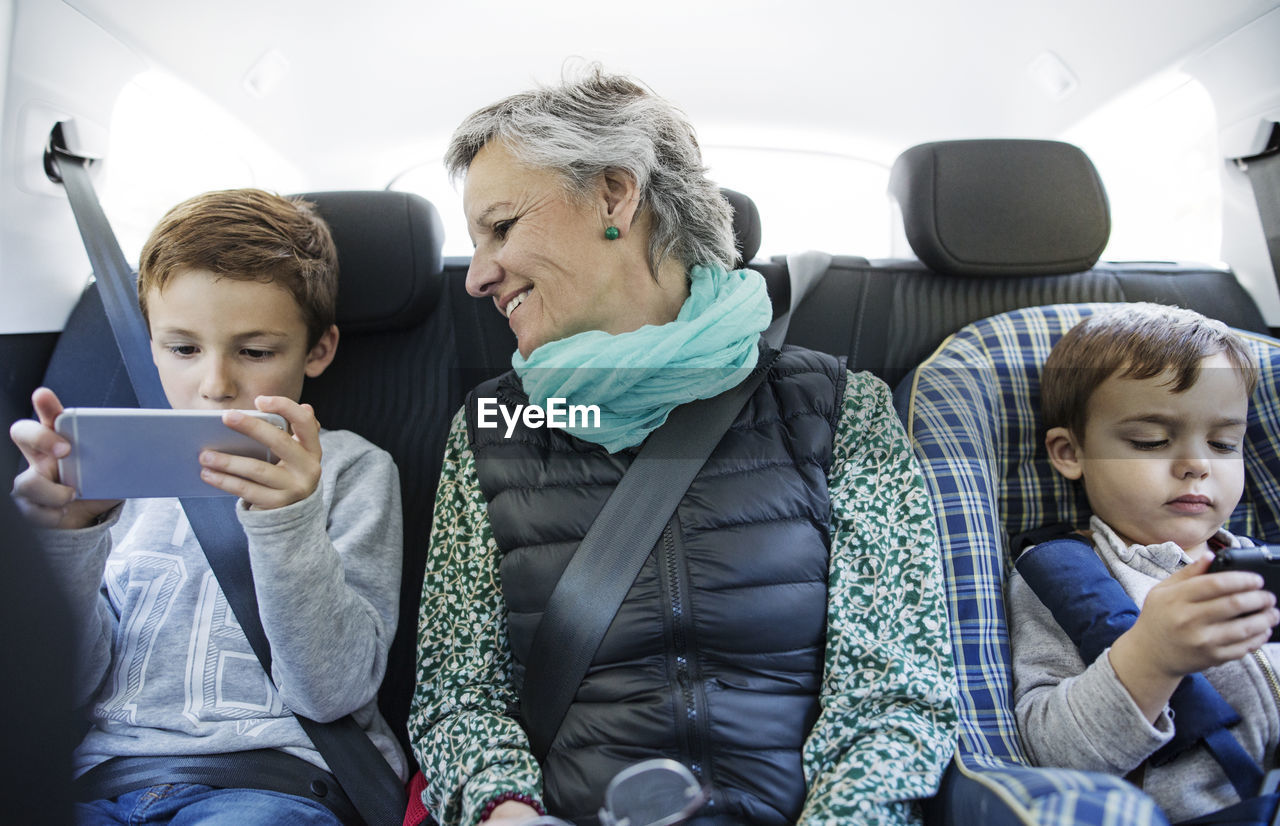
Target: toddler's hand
x,y
38,490
262,484
1196,622
1189,623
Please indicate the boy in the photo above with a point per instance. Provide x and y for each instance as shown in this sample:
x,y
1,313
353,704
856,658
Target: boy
x,y
1145,406
238,289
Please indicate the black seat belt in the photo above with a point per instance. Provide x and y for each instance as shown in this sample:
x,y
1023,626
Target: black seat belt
x,y
355,761
1263,171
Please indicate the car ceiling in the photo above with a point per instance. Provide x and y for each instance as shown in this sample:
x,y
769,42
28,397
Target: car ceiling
x,y
369,84
374,89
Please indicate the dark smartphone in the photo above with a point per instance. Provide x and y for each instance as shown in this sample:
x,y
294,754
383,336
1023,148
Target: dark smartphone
x,y
1263,560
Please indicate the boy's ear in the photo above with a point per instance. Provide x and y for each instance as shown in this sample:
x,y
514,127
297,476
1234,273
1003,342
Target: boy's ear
x,y
321,355
1064,452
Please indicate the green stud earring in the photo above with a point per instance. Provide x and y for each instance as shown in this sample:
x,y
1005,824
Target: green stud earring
x,y
611,233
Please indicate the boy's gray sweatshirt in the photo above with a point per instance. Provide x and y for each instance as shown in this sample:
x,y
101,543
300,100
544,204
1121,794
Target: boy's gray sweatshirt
x,y
1083,718
163,664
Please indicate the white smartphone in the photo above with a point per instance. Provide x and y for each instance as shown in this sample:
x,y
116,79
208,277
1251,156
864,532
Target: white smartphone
x,y
130,453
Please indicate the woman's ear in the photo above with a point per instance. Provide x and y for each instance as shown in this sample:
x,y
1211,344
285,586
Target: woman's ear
x,y
620,198
1064,452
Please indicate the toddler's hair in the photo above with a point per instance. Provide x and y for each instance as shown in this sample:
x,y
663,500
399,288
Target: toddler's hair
x,y
1139,341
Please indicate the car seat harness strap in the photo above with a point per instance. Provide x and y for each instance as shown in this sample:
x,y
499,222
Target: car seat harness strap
x,y
1094,610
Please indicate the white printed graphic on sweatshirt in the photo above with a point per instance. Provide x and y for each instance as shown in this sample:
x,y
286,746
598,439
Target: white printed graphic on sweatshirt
x,y
224,680
142,590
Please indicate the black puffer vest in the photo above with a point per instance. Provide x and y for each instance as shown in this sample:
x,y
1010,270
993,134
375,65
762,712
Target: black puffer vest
x,y
716,655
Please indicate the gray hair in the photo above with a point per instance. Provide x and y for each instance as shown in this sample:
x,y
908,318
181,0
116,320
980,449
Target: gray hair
x,y
584,128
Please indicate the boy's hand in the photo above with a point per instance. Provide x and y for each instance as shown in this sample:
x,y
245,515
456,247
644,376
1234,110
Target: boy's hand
x,y
262,484
38,490
1189,623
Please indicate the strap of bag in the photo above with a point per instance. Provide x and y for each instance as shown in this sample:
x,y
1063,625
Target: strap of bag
x,y
1094,610
602,570
362,771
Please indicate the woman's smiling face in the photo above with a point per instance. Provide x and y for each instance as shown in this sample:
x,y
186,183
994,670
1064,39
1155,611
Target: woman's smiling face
x,y
541,254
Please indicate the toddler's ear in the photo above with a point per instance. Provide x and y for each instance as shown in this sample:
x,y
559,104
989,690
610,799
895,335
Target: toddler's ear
x,y
1064,452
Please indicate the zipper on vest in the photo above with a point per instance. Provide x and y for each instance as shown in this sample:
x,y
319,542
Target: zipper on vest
x,y
690,702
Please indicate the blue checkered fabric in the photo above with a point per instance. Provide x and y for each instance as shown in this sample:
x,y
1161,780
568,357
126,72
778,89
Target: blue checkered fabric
x,y
972,411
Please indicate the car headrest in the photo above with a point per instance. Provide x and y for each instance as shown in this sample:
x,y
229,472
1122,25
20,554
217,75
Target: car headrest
x,y
1001,207
746,225
389,257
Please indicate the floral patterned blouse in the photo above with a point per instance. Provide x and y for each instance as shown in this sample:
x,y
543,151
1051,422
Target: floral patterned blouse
x,y
888,721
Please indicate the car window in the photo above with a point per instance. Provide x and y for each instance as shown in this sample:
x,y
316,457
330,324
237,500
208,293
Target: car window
x,y
156,159
845,205
1156,149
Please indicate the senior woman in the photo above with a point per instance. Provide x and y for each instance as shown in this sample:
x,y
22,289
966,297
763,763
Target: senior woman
x,y
787,641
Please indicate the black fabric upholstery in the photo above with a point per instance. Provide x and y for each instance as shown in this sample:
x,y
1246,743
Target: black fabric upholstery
x,y
389,278
997,225
38,653
1001,207
746,225
85,369
777,282
832,315
484,339
888,316
398,389
389,257
405,362
24,356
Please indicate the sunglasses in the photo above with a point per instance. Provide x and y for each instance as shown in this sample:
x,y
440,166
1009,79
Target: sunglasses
x,y
657,792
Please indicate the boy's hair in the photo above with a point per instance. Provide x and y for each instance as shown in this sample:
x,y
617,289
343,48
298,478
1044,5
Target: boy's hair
x,y
248,235
1143,341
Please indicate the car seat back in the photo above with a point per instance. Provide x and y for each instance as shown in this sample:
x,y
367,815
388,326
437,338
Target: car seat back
x,y
997,225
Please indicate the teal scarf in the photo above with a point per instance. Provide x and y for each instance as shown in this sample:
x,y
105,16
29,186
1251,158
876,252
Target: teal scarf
x,y
637,378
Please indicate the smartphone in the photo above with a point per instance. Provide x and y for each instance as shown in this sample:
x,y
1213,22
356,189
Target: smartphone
x,y
130,453
1264,560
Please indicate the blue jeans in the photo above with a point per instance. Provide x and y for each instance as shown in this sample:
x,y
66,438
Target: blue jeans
x,y
186,804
